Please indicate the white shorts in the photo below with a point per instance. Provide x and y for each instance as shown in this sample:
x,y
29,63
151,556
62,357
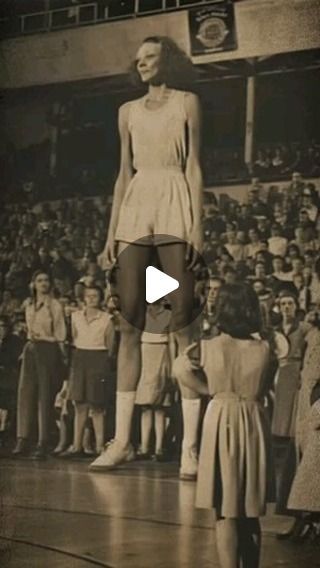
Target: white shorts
x,y
157,203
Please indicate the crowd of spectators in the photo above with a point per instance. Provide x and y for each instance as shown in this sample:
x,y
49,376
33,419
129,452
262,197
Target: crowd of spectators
x,y
280,160
272,239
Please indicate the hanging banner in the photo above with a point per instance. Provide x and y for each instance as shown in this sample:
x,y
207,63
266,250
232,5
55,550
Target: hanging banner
x,y
212,28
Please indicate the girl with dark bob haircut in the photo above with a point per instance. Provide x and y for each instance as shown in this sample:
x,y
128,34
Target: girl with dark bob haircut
x,y
238,311
235,465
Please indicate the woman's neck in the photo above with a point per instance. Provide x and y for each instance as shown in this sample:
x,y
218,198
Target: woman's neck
x,y
41,297
157,92
91,311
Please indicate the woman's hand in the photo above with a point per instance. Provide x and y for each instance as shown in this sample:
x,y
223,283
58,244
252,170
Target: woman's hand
x,y
315,415
194,247
185,362
108,256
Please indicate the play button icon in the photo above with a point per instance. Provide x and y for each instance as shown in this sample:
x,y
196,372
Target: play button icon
x,y
149,285
158,284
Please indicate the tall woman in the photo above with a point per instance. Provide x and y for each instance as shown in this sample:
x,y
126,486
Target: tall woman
x,y
233,477
41,370
157,199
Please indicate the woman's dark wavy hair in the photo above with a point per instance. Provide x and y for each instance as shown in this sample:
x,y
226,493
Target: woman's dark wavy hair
x,y
238,311
176,68
33,280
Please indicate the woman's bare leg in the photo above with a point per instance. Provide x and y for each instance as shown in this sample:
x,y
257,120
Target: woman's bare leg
x,y
227,543
98,426
131,285
146,427
249,542
172,258
80,417
159,427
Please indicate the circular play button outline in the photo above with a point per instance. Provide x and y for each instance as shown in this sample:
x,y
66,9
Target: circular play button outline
x,y
159,309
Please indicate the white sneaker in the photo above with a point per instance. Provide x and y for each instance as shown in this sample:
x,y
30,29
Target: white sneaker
x,y
189,465
114,454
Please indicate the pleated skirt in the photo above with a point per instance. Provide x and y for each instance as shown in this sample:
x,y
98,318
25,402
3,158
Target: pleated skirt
x,y
236,474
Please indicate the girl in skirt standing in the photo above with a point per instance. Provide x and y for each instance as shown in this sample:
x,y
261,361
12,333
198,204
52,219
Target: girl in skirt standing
x,y
153,388
93,339
233,477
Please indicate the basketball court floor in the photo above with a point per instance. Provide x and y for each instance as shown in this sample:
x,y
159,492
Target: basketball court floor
x,y
58,515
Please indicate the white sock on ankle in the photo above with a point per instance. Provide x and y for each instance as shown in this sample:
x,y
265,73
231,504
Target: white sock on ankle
x,y
191,416
124,413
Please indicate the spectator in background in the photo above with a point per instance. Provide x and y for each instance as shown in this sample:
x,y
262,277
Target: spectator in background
x,y
41,369
256,205
297,265
278,273
10,351
296,186
288,381
301,239
306,224
309,202
9,304
245,220
277,243
62,271
254,245
43,261
315,284
234,248
263,227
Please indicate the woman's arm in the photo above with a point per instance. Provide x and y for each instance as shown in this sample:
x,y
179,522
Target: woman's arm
x,y
189,373
110,338
123,179
193,171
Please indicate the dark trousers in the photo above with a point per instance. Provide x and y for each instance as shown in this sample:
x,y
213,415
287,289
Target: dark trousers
x,y
39,382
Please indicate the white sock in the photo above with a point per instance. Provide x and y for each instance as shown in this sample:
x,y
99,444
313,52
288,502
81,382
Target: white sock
x,y
124,413
191,415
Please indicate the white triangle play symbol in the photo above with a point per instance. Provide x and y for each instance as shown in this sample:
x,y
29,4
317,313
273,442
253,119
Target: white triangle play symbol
x,y
158,284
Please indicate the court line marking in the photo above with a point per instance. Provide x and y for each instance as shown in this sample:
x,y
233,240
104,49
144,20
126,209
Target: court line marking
x,y
83,557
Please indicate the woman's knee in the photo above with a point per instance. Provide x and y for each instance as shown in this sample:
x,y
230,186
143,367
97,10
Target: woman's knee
x,y
129,332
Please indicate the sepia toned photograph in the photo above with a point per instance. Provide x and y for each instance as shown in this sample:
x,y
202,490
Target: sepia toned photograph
x,y
159,283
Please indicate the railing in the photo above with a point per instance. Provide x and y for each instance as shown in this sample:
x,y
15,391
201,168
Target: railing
x,y
88,14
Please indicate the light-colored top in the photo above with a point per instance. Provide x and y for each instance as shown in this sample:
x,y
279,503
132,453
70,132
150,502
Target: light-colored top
x,y
95,333
235,365
45,320
158,136
278,245
237,251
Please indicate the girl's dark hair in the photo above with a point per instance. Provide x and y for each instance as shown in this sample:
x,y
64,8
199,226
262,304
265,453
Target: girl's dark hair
x,y
238,310
97,288
176,68
33,280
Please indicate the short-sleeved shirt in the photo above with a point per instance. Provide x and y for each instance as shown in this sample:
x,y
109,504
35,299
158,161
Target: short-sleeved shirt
x,y
45,320
96,333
